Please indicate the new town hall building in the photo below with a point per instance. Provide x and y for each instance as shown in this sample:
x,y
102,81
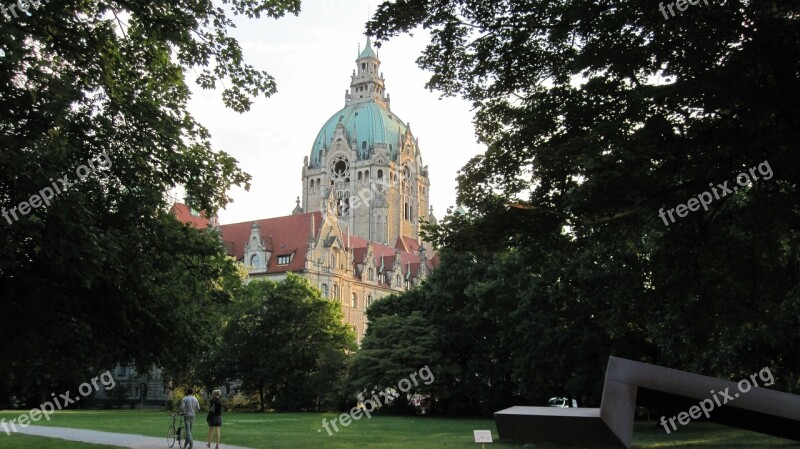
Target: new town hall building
x,y
355,232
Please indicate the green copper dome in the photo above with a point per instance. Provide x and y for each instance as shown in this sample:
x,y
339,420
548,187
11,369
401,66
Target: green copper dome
x,y
367,124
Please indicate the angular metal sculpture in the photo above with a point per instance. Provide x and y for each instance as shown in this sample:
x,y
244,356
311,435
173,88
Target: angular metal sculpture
x,y
611,426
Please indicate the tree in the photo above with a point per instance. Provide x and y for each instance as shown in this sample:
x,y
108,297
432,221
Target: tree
x,y
399,341
599,114
94,271
287,343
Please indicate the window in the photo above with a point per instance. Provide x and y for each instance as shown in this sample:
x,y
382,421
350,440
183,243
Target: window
x,y
335,292
194,212
397,281
360,176
354,301
408,284
369,301
371,274
255,261
380,174
324,290
364,145
284,260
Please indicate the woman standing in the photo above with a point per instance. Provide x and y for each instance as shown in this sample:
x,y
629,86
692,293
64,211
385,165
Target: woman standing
x,y
214,416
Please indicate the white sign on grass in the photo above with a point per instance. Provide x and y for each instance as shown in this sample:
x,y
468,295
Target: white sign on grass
x,y
483,436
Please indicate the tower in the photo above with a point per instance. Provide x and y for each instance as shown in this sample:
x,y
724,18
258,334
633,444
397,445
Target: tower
x,y
368,159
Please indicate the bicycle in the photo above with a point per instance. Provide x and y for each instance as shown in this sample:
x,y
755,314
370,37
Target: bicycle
x,y
176,433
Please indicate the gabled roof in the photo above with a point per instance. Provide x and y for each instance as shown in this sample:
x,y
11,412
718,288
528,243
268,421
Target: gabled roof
x,y
289,235
284,235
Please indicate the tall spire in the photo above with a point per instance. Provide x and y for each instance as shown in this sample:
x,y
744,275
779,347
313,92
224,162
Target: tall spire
x,y
367,84
368,51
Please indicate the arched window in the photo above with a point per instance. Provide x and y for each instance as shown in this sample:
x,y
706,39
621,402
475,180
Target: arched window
x,y
324,290
366,174
354,301
380,174
360,176
255,261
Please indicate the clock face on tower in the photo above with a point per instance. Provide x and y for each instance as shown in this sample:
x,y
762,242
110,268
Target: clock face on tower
x,y
340,168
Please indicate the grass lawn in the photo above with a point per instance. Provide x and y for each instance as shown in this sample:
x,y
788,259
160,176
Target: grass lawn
x,y
304,430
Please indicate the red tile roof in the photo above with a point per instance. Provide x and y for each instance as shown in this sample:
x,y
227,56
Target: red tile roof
x,y
184,214
282,236
289,235
405,243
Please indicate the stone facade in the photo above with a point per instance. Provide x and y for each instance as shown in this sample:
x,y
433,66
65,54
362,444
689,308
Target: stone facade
x,y
365,188
368,162
346,268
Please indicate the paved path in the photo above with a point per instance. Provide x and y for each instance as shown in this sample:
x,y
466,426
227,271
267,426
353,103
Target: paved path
x,y
108,438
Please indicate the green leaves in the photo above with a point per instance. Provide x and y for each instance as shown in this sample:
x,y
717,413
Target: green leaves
x,y
286,342
104,275
598,114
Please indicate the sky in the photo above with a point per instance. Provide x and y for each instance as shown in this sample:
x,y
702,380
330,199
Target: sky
x,y
312,57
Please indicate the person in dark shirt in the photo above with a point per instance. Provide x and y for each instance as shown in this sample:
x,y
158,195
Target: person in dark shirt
x,y
214,416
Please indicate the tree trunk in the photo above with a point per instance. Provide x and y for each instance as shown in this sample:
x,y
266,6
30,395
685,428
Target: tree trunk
x,y
261,394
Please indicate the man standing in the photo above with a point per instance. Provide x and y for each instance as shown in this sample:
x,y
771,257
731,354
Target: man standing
x,y
189,406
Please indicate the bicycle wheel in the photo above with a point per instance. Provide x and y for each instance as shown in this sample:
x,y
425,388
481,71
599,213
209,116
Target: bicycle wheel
x,y
171,436
180,437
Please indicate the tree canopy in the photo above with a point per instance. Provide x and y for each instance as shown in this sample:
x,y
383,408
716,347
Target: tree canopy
x,y
286,343
600,114
101,273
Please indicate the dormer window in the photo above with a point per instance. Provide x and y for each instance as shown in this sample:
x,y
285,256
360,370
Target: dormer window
x,y
255,261
284,260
